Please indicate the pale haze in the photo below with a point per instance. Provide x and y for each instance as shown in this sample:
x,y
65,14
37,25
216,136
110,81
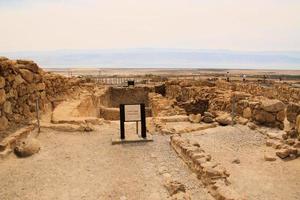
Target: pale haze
x,y
237,25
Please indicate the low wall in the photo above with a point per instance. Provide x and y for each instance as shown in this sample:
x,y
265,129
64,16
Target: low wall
x,y
114,96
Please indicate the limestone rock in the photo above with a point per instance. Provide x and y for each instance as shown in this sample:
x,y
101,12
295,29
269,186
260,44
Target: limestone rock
x,y
3,123
29,65
286,152
290,141
2,96
283,153
208,114
298,124
280,116
224,120
195,118
242,120
7,107
252,126
27,75
272,105
27,147
208,119
174,187
247,113
269,157
264,117
227,193
2,82
18,80
292,111
181,196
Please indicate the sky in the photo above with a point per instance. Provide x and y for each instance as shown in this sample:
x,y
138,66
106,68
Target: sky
x,y
240,25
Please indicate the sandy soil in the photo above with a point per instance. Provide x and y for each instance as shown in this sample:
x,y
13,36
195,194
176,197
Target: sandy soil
x,y
254,177
86,166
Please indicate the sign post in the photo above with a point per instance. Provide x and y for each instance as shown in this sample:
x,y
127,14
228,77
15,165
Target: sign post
x,y
133,113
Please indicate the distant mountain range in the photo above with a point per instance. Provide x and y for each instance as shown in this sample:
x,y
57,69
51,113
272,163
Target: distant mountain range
x,y
162,58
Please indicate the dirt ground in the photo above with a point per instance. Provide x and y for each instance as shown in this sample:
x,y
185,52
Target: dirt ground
x,y
86,166
254,178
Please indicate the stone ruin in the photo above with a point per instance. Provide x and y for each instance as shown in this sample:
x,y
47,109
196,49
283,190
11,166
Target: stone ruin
x,y
21,83
209,103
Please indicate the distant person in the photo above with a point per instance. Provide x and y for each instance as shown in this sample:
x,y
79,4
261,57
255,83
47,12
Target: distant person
x,y
244,77
280,78
227,76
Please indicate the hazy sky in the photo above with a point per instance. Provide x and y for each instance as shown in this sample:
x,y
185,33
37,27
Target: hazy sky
x,y
203,24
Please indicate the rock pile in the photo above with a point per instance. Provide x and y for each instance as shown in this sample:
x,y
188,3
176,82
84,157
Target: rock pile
x,y
285,149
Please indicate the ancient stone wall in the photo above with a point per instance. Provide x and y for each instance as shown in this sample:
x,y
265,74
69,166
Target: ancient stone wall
x,y
21,83
114,96
280,91
292,111
220,98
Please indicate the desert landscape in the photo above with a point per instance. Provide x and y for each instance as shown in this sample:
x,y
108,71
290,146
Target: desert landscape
x,y
213,134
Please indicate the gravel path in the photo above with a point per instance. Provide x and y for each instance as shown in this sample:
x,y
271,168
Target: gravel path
x,y
254,178
86,166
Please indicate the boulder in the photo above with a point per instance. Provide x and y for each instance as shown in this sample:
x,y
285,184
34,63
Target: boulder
x,y
3,123
242,121
290,141
174,187
208,119
208,114
18,80
272,105
269,157
224,119
262,116
195,118
252,126
298,124
29,65
181,196
2,82
280,116
247,113
40,86
283,153
27,147
292,111
27,75
7,107
287,152
2,96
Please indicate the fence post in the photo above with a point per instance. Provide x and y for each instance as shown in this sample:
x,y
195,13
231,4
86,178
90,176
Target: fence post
x,y
37,109
233,111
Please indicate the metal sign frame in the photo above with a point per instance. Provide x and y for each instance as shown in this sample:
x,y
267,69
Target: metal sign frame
x,y
142,120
